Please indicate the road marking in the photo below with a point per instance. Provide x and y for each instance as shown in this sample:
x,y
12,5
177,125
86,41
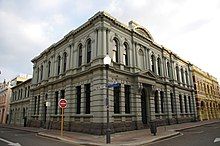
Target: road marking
x,y
216,140
9,142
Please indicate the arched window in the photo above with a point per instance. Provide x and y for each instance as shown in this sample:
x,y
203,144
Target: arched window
x,y
141,59
156,102
187,79
49,65
64,61
159,66
168,70
152,63
38,71
177,73
88,49
58,64
208,88
41,73
182,76
204,87
115,50
80,55
125,54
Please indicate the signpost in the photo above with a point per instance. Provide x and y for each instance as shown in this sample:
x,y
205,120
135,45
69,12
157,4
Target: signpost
x,y
62,104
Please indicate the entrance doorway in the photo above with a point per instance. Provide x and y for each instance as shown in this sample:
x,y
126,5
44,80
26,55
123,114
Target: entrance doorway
x,y
144,106
44,113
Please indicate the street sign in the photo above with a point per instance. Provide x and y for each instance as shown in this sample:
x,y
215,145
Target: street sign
x,y
62,103
113,85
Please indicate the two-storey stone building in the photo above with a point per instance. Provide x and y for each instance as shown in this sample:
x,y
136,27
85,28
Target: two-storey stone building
x,y
20,103
154,83
207,95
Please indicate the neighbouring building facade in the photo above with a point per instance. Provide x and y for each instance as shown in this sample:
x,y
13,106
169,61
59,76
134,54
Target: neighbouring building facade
x,y
154,83
20,104
5,93
207,95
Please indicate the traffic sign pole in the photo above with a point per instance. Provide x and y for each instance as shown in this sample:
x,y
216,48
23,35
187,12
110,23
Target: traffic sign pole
x,y
62,104
62,109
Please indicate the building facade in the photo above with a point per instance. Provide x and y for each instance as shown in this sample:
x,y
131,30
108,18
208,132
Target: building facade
x,y
5,93
154,83
207,95
20,104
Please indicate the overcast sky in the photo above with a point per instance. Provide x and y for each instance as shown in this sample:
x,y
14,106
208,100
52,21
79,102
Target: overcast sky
x,y
190,28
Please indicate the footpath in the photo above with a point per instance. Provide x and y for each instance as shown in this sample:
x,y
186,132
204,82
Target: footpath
x,y
129,138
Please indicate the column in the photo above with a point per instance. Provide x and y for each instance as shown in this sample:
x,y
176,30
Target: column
x,y
68,57
163,67
75,56
104,48
70,99
55,65
83,104
122,105
99,42
52,66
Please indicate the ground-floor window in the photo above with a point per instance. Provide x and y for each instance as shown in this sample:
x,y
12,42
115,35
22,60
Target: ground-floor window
x,y
127,99
117,99
78,99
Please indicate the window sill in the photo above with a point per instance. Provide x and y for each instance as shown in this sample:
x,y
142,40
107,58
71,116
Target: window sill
x,y
83,115
123,115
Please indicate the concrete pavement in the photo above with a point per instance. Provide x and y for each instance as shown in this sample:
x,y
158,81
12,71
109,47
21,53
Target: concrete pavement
x,y
129,138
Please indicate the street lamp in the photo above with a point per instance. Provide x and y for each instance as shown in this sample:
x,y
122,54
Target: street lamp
x,y
107,61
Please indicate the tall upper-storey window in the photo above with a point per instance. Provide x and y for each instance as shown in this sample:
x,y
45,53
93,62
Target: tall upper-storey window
x,y
115,50
177,73
141,58
182,76
64,61
168,70
80,55
125,54
58,64
152,63
41,73
38,71
88,49
49,66
187,79
159,66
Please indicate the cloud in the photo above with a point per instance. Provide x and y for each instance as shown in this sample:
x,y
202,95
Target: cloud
x,y
186,27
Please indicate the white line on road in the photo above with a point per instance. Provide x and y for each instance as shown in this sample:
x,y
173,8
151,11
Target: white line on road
x,y
216,140
9,142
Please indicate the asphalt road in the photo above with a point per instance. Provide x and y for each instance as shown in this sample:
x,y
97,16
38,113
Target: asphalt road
x,y
22,138
199,136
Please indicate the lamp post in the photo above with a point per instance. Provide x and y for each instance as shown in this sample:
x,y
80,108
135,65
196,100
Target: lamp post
x,y
107,61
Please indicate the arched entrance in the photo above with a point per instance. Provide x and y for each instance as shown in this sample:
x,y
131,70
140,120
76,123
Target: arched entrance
x,y
145,95
143,106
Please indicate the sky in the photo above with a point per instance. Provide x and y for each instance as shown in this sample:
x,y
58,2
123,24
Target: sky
x,y
189,28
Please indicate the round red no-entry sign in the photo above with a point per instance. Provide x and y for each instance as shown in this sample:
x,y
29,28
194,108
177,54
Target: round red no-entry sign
x,y
62,103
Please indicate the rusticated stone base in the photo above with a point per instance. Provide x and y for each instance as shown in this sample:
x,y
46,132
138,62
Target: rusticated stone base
x,y
100,128
185,119
34,123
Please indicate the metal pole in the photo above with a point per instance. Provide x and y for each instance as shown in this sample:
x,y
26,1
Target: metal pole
x,y
108,137
62,122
